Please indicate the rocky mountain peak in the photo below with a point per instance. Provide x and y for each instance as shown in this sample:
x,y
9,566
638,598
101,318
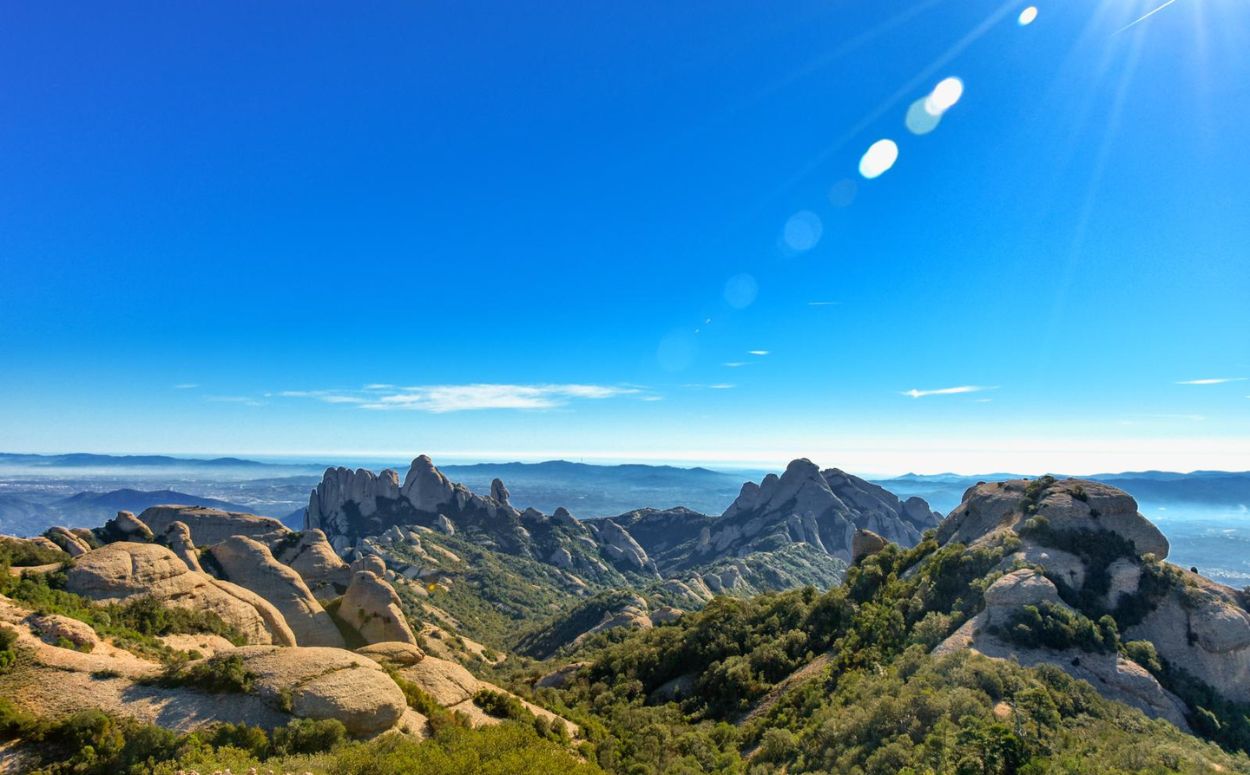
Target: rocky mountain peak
x,y
1065,506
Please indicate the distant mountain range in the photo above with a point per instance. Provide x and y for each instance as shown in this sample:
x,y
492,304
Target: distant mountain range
x,y
89,460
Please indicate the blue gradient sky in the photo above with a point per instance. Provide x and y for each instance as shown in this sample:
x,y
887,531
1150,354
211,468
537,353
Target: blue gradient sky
x,y
219,223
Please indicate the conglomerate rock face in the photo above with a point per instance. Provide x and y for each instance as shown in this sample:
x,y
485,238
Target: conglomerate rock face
x,y
250,564
124,570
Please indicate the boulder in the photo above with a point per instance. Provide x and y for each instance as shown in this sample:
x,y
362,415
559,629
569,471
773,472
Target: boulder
x,y
127,527
250,564
371,563
212,526
67,541
326,683
56,629
178,538
393,653
120,571
372,607
561,676
866,543
666,615
316,562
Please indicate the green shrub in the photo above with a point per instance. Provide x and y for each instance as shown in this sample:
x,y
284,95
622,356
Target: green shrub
x,y
305,736
224,674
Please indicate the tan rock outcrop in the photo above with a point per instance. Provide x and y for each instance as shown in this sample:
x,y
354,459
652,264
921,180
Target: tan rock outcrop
x,y
67,541
56,629
866,543
211,526
1067,505
326,683
373,608
453,687
127,527
316,562
369,562
393,653
178,538
250,564
1204,629
123,570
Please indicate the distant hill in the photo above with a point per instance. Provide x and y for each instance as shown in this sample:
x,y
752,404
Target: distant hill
x,y
19,516
88,460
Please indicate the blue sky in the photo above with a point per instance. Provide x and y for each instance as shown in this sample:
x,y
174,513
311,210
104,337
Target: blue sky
x,y
629,231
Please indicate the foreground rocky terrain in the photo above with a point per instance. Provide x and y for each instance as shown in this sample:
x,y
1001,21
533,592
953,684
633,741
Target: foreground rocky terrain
x,y
420,610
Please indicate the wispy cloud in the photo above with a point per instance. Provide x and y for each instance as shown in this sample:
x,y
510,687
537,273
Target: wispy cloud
x,y
950,391
440,399
244,400
1211,381
186,386
714,386
757,352
735,364
821,303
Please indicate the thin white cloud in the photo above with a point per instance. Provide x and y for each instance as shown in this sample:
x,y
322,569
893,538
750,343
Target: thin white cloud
x,y
714,386
950,391
735,364
244,400
325,396
440,399
821,303
757,352
186,386
1211,381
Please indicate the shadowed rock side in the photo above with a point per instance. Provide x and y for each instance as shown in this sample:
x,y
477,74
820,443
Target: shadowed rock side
x,y
250,564
761,532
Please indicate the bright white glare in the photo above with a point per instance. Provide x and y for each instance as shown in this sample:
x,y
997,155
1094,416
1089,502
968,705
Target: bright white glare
x,y
919,120
944,96
803,231
878,159
1027,16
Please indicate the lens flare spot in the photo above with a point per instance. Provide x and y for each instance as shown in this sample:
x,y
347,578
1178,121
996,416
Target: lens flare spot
x,y
802,231
740,291
919,120
842,193
1027,16
878,159
944,96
